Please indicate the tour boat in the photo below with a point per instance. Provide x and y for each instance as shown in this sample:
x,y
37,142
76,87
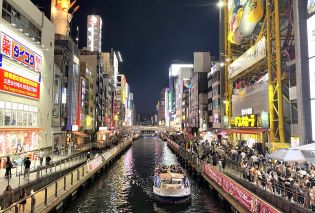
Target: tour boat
x,y
171,185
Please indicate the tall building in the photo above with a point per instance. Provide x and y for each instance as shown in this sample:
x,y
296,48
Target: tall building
x,y
215,97
94,33
305,81
177,73
161,109
95,61
26,78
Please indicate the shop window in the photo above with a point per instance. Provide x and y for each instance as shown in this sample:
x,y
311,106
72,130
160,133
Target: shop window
x,y
1,117
7,115
24,119
13,114
19,118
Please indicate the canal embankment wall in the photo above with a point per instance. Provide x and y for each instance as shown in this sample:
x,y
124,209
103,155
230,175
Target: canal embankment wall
x,y
234,193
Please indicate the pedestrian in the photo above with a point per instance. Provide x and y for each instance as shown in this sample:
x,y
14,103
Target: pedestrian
x,y
62,150
41,157
88,156
8,168
48,159
8,196
27,166
22,199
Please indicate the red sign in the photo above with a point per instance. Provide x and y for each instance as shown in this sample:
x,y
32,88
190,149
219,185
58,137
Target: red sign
x,y
17,51
213,174
13,83
242,195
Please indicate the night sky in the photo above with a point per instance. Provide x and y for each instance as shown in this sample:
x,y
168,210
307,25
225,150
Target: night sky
x,y
150,34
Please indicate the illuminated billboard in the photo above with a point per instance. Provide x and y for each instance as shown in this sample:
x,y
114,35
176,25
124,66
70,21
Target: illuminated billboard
x,y
94,33
243,18
20,53
310,6
17,84
253,55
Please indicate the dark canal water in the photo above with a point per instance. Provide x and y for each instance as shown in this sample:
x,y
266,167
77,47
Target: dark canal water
x,y
127,185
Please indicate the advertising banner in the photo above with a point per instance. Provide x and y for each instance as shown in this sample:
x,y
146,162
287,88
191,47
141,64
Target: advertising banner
x,y
243,18
238,192
17,84
243,196
19,52
93,164
253,55
213,174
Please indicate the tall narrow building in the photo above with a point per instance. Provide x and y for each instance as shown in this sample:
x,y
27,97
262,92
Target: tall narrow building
x,y
94,33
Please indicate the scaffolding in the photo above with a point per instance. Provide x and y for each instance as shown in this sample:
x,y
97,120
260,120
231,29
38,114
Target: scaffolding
x,y
274,27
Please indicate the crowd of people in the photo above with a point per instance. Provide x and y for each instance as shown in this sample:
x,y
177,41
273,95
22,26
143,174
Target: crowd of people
x,y
291,180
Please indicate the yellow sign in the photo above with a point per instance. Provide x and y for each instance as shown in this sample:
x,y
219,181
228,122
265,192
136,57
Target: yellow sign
x,y
244,121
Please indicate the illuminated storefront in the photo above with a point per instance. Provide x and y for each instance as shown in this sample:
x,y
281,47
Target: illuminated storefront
x,y
26,76
250,129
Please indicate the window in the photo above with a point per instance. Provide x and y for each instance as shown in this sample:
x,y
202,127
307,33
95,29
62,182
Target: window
x,y
17,115
11,15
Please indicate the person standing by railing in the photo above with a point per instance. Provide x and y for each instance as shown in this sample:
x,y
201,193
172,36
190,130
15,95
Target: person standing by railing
x,y
8,197
8,168
41,157
27,165
22,198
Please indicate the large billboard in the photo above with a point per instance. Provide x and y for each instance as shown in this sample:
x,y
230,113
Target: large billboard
x,y
17,84
94,33
253,55
243,18
13,49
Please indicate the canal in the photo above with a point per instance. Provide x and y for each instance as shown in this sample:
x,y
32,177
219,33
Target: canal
x,y
127,185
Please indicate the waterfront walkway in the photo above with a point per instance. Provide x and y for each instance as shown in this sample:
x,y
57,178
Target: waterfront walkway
x,y
52,195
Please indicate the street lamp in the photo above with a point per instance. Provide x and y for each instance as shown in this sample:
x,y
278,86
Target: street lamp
x,y
221,64
220,4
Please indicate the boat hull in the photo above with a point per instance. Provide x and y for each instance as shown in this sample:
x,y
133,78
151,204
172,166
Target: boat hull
x,y
172,199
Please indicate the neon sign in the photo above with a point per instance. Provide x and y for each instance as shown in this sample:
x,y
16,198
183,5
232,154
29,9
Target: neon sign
x,y
17,51
13,83
244,121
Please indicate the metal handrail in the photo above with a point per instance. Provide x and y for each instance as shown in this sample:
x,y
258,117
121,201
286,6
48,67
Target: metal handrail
x,y
280,190
61,185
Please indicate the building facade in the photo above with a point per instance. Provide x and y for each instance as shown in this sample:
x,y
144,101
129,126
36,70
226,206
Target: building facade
x,y
26,78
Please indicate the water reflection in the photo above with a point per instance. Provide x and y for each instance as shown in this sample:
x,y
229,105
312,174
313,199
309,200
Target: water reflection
x,y
127,185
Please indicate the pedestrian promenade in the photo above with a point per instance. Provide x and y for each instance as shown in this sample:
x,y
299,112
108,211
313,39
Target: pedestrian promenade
x,y
58,163
50,196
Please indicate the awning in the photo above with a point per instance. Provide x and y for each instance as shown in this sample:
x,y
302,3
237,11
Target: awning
x,y
80,134
248,131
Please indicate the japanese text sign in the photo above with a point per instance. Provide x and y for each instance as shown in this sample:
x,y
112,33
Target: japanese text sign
x,y
13,83
17,51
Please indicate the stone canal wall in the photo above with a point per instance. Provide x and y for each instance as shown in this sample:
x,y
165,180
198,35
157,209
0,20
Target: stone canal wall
x,y
53,196
239,197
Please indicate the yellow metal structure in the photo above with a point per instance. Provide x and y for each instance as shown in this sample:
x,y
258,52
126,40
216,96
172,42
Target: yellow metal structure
x,y
270,28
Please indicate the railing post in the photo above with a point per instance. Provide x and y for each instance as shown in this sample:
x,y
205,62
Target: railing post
x,y
64,183
56,189
71,178
33,202
78,174
83,171
45,201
